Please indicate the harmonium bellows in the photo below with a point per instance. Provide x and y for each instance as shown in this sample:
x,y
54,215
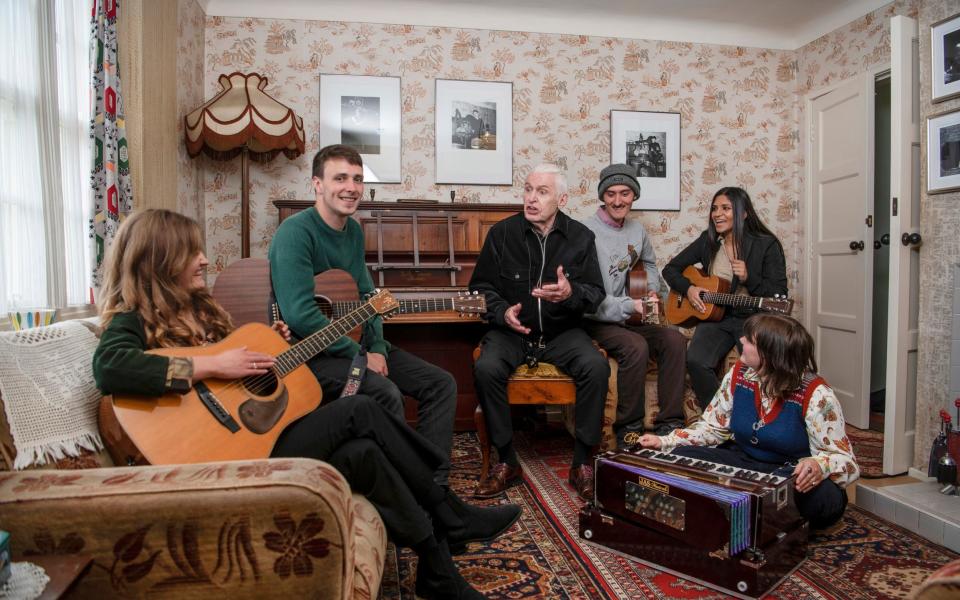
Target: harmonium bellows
x,y
731,529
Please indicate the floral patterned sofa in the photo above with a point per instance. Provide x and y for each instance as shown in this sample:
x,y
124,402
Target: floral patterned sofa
x,y
244,529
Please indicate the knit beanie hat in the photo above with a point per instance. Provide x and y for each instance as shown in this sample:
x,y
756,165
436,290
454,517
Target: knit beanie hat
x,y
619,174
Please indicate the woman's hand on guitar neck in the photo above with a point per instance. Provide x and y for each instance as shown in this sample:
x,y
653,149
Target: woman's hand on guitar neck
x,y
231,364
693,295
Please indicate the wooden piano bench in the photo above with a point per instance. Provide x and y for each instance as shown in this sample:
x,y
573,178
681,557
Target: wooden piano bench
x,y
544,384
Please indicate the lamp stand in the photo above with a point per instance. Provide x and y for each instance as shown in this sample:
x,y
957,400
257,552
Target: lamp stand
x,y
244,204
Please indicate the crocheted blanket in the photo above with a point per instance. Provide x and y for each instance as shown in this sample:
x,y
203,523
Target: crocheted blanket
x,y
49,395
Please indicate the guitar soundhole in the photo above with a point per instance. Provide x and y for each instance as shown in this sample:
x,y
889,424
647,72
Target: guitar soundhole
x,y
261,385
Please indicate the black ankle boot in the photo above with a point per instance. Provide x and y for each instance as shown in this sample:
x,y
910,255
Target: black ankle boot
x,y
438,576
477,523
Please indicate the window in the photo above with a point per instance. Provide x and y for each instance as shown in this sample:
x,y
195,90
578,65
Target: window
x,y
45,254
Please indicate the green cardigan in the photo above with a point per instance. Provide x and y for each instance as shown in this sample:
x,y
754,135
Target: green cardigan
x,y
120,365
305,246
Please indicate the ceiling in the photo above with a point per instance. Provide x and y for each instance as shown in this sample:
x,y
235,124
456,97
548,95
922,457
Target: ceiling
x,y
777,24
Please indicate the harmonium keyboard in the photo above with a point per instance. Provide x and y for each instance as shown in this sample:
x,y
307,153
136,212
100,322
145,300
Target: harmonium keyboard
x,y
731,529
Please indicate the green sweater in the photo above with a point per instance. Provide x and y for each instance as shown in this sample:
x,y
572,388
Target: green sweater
x,y
305,246
120,365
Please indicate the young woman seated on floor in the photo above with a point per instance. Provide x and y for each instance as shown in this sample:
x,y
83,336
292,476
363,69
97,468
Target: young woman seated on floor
x,y
154,295
774,414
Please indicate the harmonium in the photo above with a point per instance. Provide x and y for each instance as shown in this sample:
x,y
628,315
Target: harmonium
x,y
734,530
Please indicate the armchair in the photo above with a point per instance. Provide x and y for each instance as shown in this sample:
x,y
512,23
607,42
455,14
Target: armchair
x,y
247,529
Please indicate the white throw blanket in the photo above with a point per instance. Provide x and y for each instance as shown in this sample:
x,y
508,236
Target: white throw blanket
x,y
50,398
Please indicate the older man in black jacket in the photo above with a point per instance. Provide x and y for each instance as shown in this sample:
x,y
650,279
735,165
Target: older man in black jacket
x,y
539,273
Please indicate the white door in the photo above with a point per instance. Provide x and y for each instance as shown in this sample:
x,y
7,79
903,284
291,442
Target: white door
x,y
901,401
841,244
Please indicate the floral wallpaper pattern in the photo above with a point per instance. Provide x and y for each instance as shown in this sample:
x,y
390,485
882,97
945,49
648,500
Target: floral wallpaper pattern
x,y
939,255
740,112
190,94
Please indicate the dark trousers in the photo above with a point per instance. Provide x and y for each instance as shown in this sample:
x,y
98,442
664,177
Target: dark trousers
x,y
381,458
632,346
434,390
571,351
711,342
822,506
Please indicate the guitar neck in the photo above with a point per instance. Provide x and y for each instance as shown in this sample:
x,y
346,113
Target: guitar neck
x,y
316,343
413,305
731,300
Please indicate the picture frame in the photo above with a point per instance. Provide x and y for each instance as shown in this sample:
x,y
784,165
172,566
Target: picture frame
x,y
474,132
945,58
943,152
649,141
363,112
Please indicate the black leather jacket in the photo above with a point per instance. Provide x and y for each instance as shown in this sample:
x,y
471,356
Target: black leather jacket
x,y
515,259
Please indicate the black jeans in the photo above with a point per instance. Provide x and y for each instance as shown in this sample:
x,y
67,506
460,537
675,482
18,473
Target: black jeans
x,y
434,389
822,506
571,351
379,455
711,342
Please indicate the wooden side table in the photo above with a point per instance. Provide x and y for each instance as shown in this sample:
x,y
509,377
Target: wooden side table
x,y
64,570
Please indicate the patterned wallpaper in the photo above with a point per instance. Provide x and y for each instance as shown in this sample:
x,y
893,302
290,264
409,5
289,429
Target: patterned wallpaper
x,y
940,222
740,108
190,94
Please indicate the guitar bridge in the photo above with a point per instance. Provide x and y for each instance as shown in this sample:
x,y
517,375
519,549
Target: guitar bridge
x,y
216,409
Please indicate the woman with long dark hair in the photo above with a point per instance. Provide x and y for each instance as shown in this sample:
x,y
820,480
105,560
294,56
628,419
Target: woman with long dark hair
x,y
738,247
154,296
774,414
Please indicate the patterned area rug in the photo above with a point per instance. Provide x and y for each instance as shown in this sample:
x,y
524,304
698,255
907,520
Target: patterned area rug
x,y
868,448
543,557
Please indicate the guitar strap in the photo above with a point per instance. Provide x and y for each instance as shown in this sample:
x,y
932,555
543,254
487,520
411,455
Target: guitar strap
x,y
358,368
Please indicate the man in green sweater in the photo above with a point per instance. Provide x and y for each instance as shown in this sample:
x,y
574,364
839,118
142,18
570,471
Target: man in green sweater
x,y
313,241
316,240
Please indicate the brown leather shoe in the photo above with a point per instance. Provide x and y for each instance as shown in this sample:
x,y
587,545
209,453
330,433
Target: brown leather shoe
x,y
581,479
501,477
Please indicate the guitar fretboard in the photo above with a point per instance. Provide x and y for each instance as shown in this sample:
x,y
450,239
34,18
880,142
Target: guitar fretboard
x,y
406,306
314,344
731,300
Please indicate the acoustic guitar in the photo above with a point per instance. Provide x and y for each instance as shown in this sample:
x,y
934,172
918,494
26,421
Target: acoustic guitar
x,y
230,419
680,312
637,289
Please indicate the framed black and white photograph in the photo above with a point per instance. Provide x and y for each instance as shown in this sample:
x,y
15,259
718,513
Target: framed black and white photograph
x,y
943,152
363,112
650,143
474,132
945,58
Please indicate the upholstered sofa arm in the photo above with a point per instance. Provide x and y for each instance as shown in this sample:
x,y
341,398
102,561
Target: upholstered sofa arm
x,y
247,529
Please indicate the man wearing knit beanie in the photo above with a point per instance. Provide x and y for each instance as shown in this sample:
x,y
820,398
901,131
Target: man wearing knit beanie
x,y
621,243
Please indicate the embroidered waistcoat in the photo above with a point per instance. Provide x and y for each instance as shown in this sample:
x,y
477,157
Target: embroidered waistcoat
x,y
783,436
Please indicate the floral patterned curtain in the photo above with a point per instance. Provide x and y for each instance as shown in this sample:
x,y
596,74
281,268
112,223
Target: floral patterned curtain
x,y
110,175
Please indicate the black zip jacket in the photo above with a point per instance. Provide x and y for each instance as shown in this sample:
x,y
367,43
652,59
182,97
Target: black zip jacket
x,y
766,267
515,258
